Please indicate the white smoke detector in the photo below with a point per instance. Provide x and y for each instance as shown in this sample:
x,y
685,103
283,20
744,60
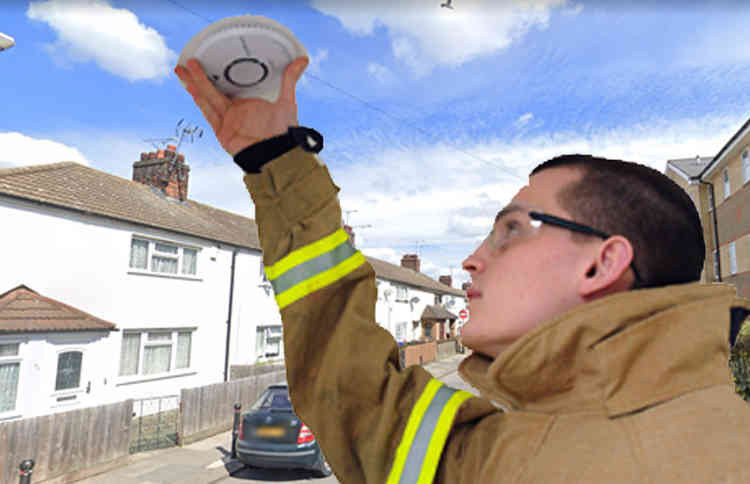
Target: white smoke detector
x,y
245,56
6,41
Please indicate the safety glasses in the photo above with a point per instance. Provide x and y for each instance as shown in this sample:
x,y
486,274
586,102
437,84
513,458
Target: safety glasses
x,y
516,223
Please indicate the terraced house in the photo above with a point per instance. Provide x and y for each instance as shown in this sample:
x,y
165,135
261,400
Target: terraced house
x,y
116,288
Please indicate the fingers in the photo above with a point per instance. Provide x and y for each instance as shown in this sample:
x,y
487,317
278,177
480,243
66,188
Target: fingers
x,y
219,102
292,73
209,112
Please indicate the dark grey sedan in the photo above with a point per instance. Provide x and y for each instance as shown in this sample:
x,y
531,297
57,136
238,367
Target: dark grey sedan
x,y
272,436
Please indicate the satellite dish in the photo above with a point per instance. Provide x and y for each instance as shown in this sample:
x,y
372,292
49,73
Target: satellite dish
x,y
245,56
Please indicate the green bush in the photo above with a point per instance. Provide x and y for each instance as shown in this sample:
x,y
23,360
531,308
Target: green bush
x,y
739,363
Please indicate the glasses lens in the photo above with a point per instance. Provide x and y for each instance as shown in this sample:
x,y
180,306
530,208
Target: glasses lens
x,y
510,227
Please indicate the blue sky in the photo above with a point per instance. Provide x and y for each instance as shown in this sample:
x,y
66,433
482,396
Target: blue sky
x,y
432,117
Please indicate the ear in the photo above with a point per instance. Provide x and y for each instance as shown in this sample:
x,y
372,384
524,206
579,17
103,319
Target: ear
x,y
607,270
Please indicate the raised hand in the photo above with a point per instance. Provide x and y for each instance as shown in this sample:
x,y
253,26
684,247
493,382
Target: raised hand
x,y
239,123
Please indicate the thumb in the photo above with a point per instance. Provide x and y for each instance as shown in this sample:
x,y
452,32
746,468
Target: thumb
x,y
292,74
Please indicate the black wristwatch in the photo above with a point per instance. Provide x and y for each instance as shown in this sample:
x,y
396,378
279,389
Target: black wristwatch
x,y
252,158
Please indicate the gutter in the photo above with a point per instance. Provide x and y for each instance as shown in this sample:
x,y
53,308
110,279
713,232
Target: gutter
x,y
229,317
716,226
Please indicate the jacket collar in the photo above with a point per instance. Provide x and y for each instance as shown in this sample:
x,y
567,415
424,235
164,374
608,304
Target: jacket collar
x,y
618,354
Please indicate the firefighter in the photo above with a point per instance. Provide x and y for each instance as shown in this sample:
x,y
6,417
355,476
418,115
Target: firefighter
x,y
598,355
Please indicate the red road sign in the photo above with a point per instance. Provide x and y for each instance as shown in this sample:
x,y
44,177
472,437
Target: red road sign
x,y
463,314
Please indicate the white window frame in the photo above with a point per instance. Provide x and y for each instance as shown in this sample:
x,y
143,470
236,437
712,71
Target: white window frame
x,y
152,252
267,332
745,165
402,293
173,343
727,185
10,360
732,258
710,191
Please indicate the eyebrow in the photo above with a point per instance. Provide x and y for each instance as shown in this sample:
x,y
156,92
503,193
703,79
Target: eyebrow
x,y
508,209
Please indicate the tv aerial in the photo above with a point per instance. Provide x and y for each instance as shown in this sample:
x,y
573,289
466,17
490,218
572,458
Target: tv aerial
x,y
180,134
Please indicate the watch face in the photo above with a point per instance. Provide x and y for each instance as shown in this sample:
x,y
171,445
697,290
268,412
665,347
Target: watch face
x,y
245,56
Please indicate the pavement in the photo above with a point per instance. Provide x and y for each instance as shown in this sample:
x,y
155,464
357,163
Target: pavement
x,y
209,460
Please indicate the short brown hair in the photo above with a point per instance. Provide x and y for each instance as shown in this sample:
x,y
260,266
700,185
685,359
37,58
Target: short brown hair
x,y
644,206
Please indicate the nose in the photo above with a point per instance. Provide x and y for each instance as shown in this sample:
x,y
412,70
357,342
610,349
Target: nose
x,y
474,262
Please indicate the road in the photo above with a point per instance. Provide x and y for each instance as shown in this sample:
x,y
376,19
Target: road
x,y
447,374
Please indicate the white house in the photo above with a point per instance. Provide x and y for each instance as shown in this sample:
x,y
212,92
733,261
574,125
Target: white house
x,y
182,282
50,354
169,272
413,306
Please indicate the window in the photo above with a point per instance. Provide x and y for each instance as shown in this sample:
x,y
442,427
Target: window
x,y
163,258
155,352
401,293
732,258
68,370
746,165
716,265
438,298
10,369
268,341
710,198
401,332
725,177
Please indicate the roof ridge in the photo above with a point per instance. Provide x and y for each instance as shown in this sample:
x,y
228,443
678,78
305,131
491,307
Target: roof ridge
x,y
219,209
20,170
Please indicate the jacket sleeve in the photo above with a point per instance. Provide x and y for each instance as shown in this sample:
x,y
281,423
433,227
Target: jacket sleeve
x,y
375,422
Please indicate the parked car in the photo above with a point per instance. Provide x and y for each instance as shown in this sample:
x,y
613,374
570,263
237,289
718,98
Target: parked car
x,y
272,436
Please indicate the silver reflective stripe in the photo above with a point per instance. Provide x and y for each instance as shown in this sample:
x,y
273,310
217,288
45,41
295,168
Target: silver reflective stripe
x,y
418,450
312,267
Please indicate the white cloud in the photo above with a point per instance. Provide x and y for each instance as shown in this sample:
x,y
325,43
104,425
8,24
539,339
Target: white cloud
x,y
112,37
20,150
448,199
380,72
523,120
423,35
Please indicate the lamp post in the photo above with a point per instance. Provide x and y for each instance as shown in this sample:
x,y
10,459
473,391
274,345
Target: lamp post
x,y
6,42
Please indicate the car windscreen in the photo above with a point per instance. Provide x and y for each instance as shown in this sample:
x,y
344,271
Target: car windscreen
x,y
273,399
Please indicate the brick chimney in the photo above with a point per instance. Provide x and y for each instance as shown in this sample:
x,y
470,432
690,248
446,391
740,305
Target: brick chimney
x,y
349,230
447,280
410,261
465,286
165,170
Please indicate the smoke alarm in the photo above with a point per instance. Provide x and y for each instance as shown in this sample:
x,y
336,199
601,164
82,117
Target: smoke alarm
x,y
245,56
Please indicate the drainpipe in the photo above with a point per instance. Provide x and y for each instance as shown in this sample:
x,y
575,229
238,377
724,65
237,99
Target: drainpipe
x,y
716,226
229,317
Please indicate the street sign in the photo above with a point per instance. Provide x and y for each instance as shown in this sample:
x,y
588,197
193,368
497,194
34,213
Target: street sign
x,y
463,314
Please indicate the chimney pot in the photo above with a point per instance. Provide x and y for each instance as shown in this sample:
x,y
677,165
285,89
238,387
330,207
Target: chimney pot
x,y
447,280
170,178
410,261
171,147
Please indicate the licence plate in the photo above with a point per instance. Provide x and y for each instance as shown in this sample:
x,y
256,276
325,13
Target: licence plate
x,y
269,432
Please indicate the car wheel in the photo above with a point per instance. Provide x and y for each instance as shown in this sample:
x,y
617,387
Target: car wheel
x,y
322,468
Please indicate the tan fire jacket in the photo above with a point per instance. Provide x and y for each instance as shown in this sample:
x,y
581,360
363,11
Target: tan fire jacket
x,y
634,387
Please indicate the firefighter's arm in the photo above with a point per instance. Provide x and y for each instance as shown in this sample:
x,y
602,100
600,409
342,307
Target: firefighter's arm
x,y
375,422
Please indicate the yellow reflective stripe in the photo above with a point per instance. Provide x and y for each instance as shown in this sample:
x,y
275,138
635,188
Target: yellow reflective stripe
x,y
320,281
303,254
440,435
412,425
